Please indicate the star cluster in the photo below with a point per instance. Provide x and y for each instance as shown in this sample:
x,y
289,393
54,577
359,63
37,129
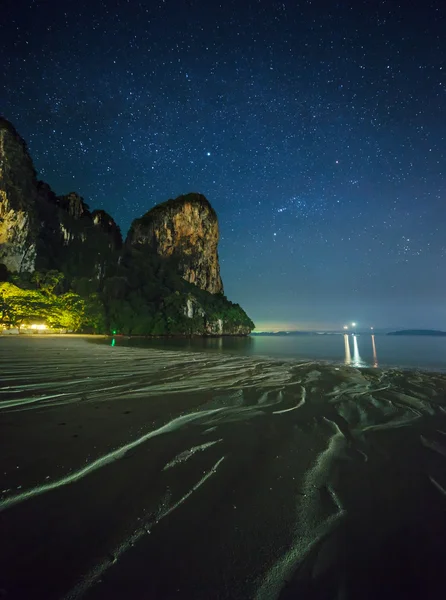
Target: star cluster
x,y
316,130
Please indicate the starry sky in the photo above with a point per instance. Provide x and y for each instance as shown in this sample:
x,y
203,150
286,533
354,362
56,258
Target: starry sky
x,y
316,129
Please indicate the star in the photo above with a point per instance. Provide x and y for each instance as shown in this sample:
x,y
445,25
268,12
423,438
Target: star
x,y
134,127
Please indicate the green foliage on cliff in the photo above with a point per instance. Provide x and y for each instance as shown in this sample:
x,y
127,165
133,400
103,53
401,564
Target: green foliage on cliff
x,y
143,296
146,296
25,307
40,298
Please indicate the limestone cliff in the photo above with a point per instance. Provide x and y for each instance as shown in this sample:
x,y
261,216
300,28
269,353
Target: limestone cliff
x,y
39,230
218,320
18,222
187,230
106,224
164,281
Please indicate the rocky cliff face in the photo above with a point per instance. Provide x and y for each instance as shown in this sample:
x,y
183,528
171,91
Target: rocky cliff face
x,y
106,224
214,326
187,230
18,222
39,230
143,288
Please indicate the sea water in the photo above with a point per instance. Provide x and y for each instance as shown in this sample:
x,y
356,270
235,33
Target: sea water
x,y
420,352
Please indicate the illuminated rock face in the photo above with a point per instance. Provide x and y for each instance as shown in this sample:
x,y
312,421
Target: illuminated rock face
x,y
18,223
186,229
39,230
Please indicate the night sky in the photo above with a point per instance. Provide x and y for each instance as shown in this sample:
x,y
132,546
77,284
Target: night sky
x,y
317,130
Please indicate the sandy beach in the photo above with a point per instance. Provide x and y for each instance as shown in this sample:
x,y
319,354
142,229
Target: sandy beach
x,y
137,473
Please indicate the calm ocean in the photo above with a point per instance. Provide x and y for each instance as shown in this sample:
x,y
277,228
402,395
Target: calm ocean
x,y
361,350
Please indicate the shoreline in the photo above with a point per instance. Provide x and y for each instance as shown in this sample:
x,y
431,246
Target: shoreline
x,y
328,362
128,337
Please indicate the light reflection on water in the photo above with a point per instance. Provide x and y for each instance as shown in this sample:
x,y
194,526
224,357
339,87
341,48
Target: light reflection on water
x,y
357,361
375,357
348,356
360,350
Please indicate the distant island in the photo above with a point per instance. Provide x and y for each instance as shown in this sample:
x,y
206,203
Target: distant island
x,y
431,332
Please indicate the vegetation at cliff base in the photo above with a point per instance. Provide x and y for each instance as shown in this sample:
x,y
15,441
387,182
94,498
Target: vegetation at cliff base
x,y
143,295
147,296
22,307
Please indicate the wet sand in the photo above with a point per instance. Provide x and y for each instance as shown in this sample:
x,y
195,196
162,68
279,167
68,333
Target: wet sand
x,y
138,473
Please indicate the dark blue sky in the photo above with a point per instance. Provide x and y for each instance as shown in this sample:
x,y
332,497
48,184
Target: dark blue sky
x,y
316,129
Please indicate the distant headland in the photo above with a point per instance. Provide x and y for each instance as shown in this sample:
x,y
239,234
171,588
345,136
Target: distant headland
x,y
431,332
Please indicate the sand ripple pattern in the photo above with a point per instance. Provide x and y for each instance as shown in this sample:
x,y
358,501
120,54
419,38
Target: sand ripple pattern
x,y
222,472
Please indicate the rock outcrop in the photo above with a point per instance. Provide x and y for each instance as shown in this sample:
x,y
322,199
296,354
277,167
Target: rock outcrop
x,y
74,205
39,230
18,220
106,224
185,229
216,325
164,281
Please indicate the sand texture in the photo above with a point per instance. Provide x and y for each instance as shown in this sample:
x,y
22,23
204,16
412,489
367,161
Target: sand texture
x,y
148,474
